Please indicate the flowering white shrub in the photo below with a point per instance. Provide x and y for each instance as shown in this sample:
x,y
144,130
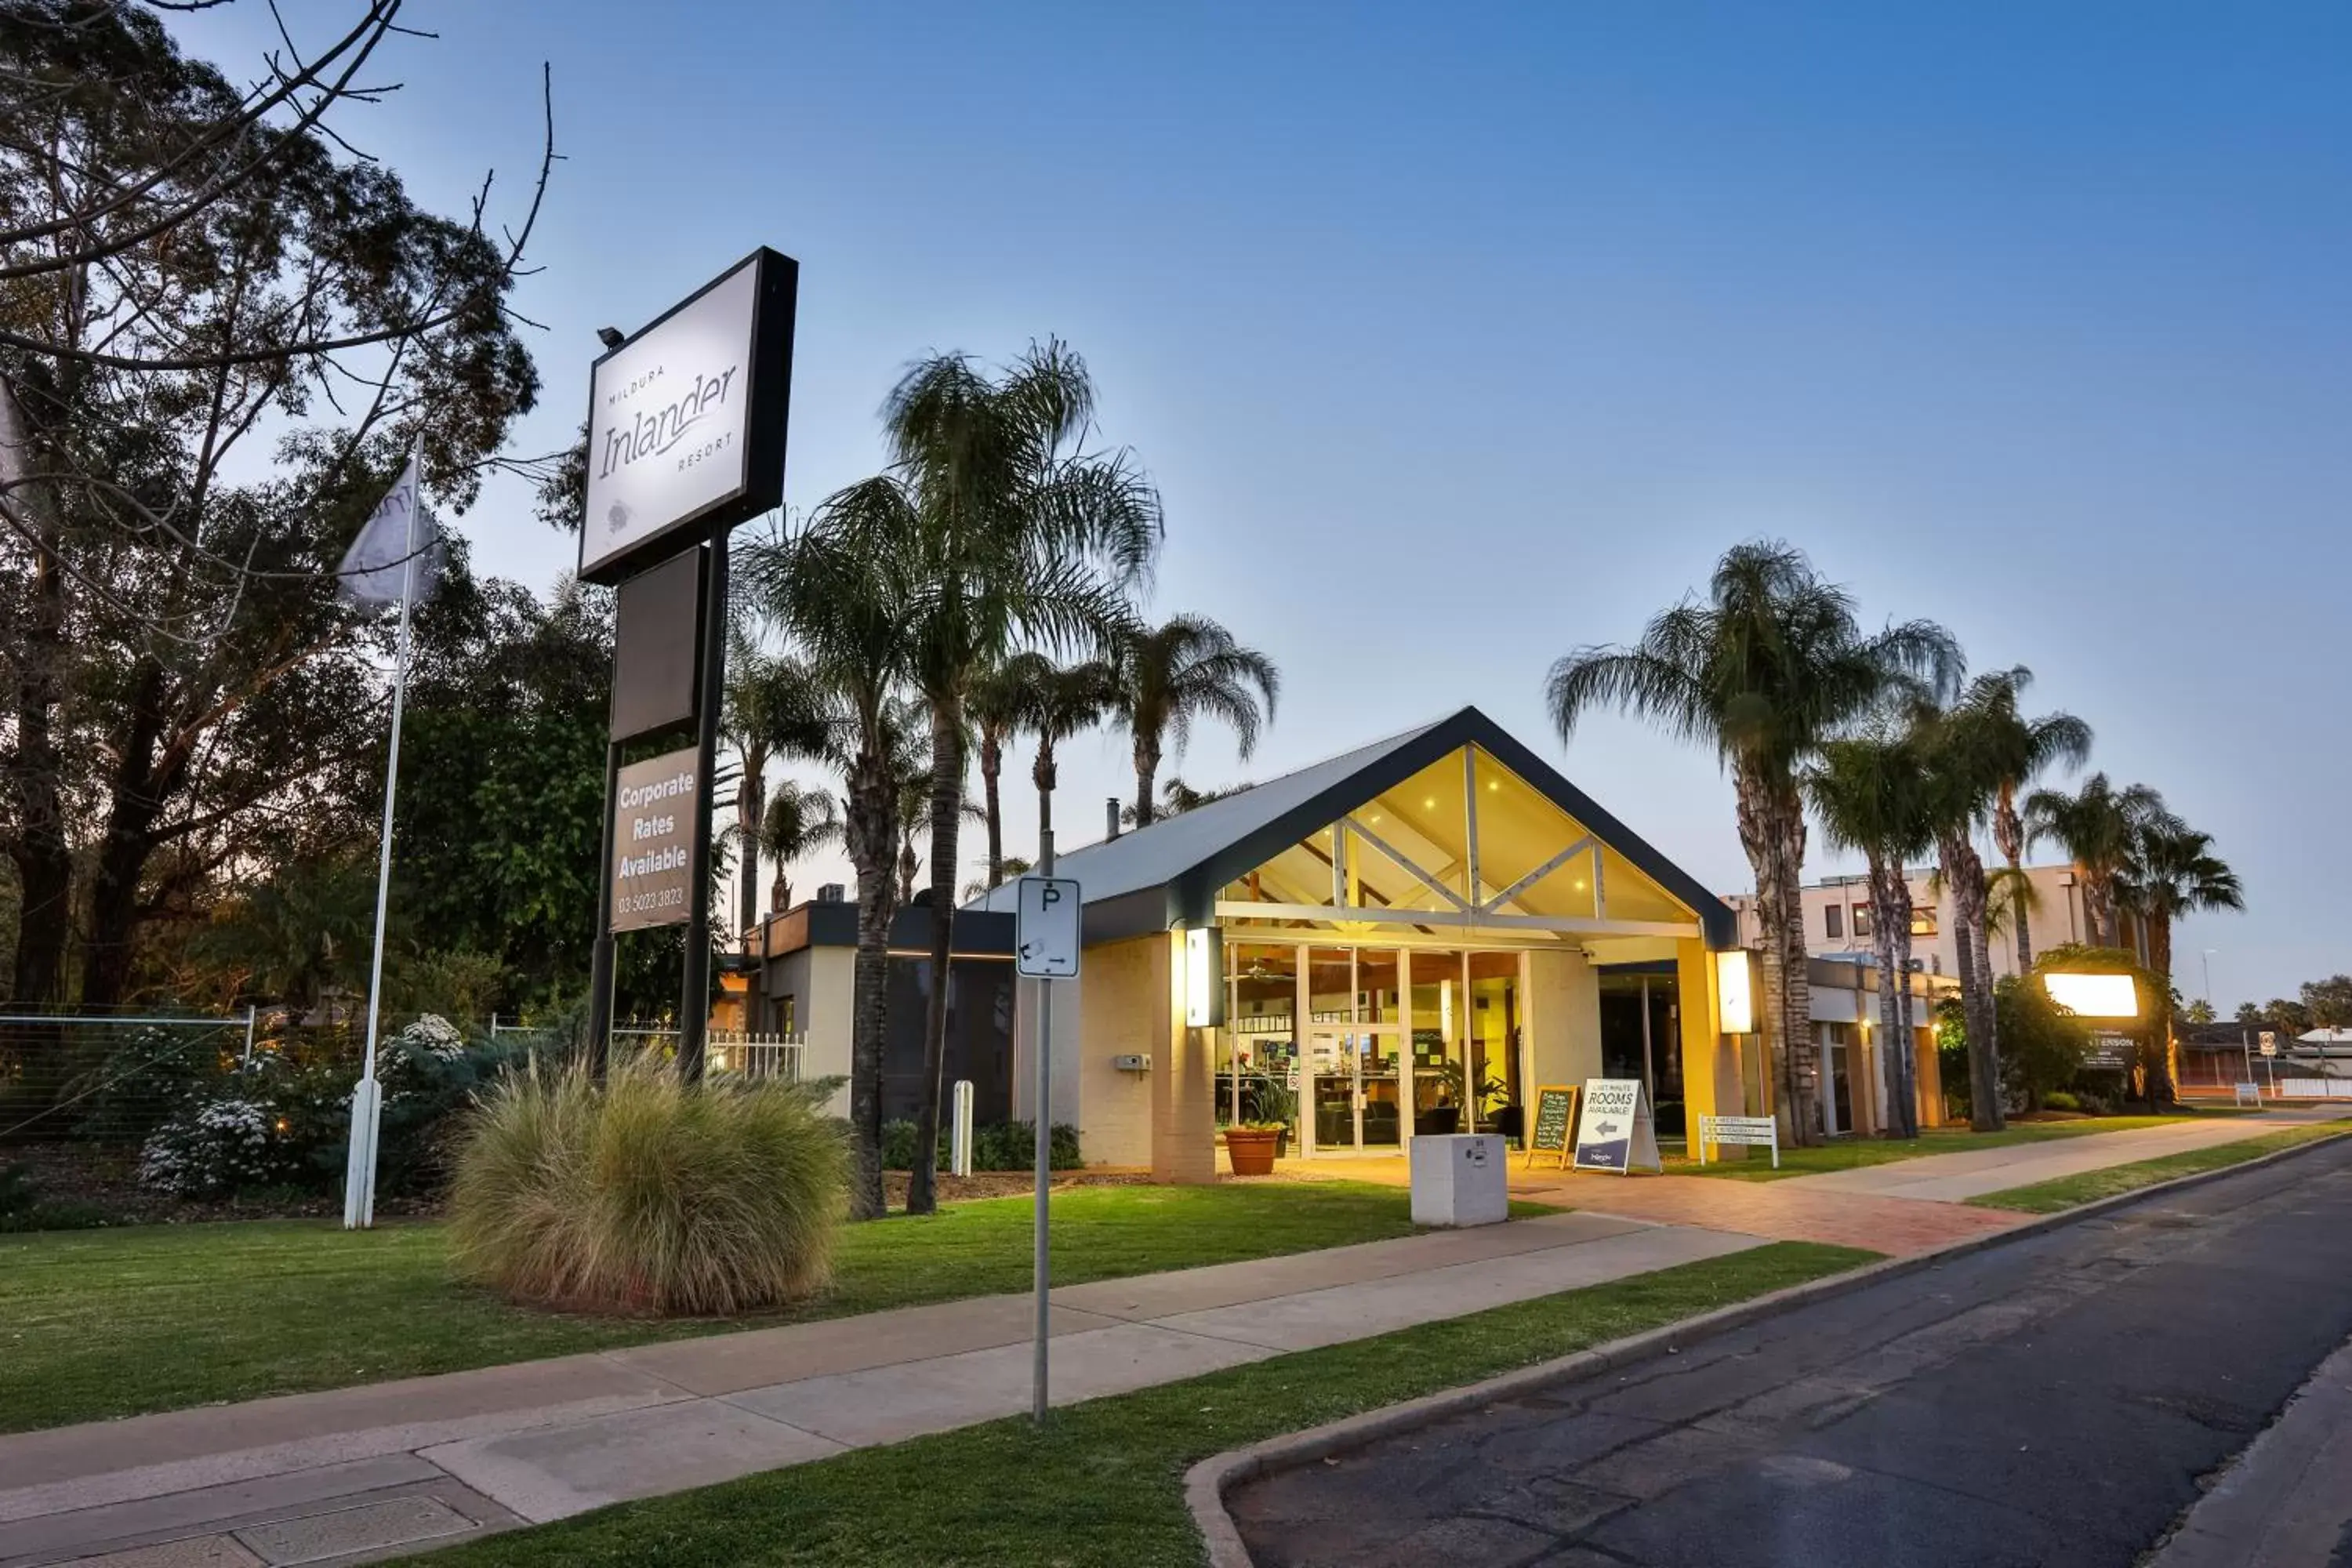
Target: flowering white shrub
x,y
214,1148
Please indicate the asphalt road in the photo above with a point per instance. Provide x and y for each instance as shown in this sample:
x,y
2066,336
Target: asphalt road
x,y
2053,1400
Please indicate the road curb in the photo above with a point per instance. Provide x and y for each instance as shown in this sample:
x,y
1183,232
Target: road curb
x,y
1207,1482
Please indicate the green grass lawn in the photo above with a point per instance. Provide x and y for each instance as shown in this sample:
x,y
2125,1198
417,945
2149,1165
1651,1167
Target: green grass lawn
x,y
1851,1153
2066,1191
103,1323
1103,1482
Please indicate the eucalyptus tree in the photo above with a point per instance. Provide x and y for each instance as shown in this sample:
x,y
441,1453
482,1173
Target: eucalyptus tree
x,y
2172,872
846,610
1865,792
2016,749
189,268
1009,527
1188,668
2097,825
1770,665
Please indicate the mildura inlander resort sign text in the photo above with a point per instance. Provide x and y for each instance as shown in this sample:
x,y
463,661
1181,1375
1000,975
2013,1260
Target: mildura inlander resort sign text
x,y
686,423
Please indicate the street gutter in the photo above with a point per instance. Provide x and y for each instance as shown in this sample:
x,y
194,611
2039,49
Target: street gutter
x,y
1206,1483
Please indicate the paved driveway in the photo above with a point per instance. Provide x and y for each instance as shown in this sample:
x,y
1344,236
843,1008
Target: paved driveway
x,y
2053,1401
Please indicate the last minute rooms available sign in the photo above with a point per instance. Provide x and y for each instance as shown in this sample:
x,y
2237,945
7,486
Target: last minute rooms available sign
x,y
653,841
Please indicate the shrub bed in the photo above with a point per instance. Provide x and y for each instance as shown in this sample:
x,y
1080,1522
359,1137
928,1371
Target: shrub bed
x,y
997,1146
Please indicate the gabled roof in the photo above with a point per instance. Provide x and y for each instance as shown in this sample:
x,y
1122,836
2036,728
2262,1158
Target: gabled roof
x,y
1167,874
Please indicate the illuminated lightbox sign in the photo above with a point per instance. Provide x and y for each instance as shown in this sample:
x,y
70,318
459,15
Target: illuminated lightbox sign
x,y
2094,996
687,421
1735,992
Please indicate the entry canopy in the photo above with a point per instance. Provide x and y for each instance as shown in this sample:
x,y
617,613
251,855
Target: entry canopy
x,y
1452,828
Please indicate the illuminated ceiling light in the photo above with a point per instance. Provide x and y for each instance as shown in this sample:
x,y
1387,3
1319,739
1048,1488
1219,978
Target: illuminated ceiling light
x,y
1493,785
1580,884
1429,803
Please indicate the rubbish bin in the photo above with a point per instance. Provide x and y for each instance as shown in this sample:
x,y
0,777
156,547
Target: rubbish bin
x,y
1460,1180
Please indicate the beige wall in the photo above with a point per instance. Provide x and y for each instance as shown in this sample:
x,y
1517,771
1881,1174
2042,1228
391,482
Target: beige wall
x,y
1123,1009
1184,1095
823,983
1563,1018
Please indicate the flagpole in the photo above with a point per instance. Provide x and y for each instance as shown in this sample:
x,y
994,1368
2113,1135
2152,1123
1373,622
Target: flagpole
x,y
367,1100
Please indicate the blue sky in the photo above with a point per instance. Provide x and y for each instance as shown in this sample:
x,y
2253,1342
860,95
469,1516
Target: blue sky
x,y
1457,337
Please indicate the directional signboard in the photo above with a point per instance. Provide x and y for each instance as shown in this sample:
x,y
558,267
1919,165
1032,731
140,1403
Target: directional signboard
x,y
1046,928
1614,1134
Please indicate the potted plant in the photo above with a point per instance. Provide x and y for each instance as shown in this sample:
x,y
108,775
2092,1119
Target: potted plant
x,y
1254,1144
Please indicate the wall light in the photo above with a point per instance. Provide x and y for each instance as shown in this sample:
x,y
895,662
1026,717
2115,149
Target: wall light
x,y
2094,996
1204,978
1735,984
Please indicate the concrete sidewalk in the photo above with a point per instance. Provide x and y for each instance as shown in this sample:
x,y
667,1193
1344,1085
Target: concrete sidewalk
x,y
324,1478
1956,1178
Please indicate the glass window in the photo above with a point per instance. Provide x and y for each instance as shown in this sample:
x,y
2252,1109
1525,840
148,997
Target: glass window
x,y
1923,920
1862,919
1833,923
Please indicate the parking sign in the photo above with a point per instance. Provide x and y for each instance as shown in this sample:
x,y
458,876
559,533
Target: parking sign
x,y
1046,928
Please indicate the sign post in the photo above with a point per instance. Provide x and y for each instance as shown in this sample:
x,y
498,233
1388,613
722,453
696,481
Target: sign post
x,y
1044,949
1615,1133
687,422
1555,1120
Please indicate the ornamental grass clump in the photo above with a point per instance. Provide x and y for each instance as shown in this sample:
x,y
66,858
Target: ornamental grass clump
x,y
643,1194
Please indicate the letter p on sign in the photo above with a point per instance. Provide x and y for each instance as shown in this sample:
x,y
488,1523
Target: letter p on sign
x,y
1046,928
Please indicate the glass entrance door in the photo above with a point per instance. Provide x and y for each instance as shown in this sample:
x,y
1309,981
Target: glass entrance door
x,y
1355,1048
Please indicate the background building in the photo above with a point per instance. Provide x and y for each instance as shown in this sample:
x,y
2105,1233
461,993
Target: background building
x,y
1837,921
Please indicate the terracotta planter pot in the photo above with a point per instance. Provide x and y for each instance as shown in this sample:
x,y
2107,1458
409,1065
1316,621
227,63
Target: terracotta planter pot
x,y
1251,1151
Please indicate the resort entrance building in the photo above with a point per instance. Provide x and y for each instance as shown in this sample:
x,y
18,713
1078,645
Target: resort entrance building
x,y
1404,940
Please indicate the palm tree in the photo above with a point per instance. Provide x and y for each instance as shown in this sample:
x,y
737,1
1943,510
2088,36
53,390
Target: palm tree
x,y
766,696
1959,780
2016,749
846,610
798,820
1771,664
1865,792
1010,528
1177,797
1060,701
2173,871
997,706
2096,826
1190,667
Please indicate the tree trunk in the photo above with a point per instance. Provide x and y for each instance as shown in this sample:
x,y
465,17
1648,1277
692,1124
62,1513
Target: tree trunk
x,y
947,814
142,783
1769,836
1147,776
1905,1015
873,838
991,766
750,804
1046,776
1895,1061
1964,875
35,791
2160,953
2009,837
2099,907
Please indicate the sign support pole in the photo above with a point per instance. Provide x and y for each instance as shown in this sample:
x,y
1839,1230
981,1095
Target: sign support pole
x,y
1044,1111
694,1006
600,954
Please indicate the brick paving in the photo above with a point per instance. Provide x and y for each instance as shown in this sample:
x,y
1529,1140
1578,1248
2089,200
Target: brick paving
x,y
1896,1226
1782,1210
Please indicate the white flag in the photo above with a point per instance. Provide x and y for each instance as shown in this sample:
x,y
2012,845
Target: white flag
x,y
397,530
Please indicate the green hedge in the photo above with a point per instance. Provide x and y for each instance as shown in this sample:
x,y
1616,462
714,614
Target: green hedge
x,y
999,1146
